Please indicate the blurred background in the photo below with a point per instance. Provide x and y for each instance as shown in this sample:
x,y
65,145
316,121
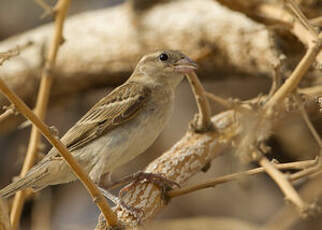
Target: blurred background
x,y
70,207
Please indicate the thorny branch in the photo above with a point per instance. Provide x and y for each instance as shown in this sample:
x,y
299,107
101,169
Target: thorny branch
x,y
41,106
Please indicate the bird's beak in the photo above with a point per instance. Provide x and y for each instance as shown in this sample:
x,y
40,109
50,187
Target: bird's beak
x,y
185,65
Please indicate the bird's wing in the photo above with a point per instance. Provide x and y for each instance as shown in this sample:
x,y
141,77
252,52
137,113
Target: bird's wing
x,y
120,106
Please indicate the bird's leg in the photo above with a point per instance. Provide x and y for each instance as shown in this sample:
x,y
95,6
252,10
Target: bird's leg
x,y
114,184
110,196
160,181
117,201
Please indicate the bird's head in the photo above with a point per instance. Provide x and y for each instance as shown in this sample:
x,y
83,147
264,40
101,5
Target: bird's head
x,y
166,66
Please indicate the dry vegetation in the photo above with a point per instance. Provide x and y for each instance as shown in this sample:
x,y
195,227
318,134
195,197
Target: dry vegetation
x,y
260,63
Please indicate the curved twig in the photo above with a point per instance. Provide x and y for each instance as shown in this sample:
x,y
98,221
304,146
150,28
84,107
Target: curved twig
x,y
98,198
202,122
41,106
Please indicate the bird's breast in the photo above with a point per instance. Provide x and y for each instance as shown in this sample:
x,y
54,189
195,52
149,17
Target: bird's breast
x,y
135,136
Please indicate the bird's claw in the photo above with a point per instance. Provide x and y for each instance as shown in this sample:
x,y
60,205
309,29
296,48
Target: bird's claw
x,y
160,181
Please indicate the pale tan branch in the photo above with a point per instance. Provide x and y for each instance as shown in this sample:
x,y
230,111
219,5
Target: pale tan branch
x,y
9,110
235,176
78,171
5,56
309,123
48,10
186,158
41,106
203,122
301,18
314,47
286,217
224,102
282,181
4,216
296,76
275,13
86,61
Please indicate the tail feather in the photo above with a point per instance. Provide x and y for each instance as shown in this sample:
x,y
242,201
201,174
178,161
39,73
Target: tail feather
x,y
30,180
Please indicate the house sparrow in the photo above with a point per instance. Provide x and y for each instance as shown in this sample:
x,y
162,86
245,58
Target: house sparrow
x,y
119,127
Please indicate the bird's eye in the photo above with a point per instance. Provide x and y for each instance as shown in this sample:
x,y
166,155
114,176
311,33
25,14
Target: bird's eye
x,y
163,57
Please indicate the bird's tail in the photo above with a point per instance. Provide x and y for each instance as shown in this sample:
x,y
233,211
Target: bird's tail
x,y
30,180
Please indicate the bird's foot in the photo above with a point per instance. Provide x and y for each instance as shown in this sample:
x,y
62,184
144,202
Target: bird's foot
x,y
160,181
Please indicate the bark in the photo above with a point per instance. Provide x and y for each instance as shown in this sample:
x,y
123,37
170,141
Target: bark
x,y
102,47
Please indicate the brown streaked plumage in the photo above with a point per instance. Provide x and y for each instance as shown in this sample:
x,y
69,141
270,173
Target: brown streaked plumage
x,y
120,126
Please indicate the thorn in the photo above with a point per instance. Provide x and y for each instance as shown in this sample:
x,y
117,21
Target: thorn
x,y
54,131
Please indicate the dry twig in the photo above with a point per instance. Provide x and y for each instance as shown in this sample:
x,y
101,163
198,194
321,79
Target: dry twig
x,y
4,216
202,122
91,62
186,158
78,171
9,110
41,106
282,181
235,176
5,56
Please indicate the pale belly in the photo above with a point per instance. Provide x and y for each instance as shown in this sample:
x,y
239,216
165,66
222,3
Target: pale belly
x,y
138,135
127,141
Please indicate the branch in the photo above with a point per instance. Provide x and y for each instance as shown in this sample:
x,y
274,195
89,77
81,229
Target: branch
x,y
9,110
186,158
5,56
269,13
286,217
4,216
308,123
235,176
63,151
41,106
285,185
87,61
202,122
314,47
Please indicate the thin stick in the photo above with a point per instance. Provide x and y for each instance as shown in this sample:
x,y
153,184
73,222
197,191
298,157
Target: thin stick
x,y
315,45
301,18
305,172
97,197
41,107
235,176
5,56
4,216
47,9
293,81
286,187
220,100
309,123
203,123
8,112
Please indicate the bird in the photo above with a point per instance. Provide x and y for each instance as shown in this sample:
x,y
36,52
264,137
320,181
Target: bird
x,y
119,127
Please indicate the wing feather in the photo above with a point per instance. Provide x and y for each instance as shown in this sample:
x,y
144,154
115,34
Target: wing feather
x,y
120,106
